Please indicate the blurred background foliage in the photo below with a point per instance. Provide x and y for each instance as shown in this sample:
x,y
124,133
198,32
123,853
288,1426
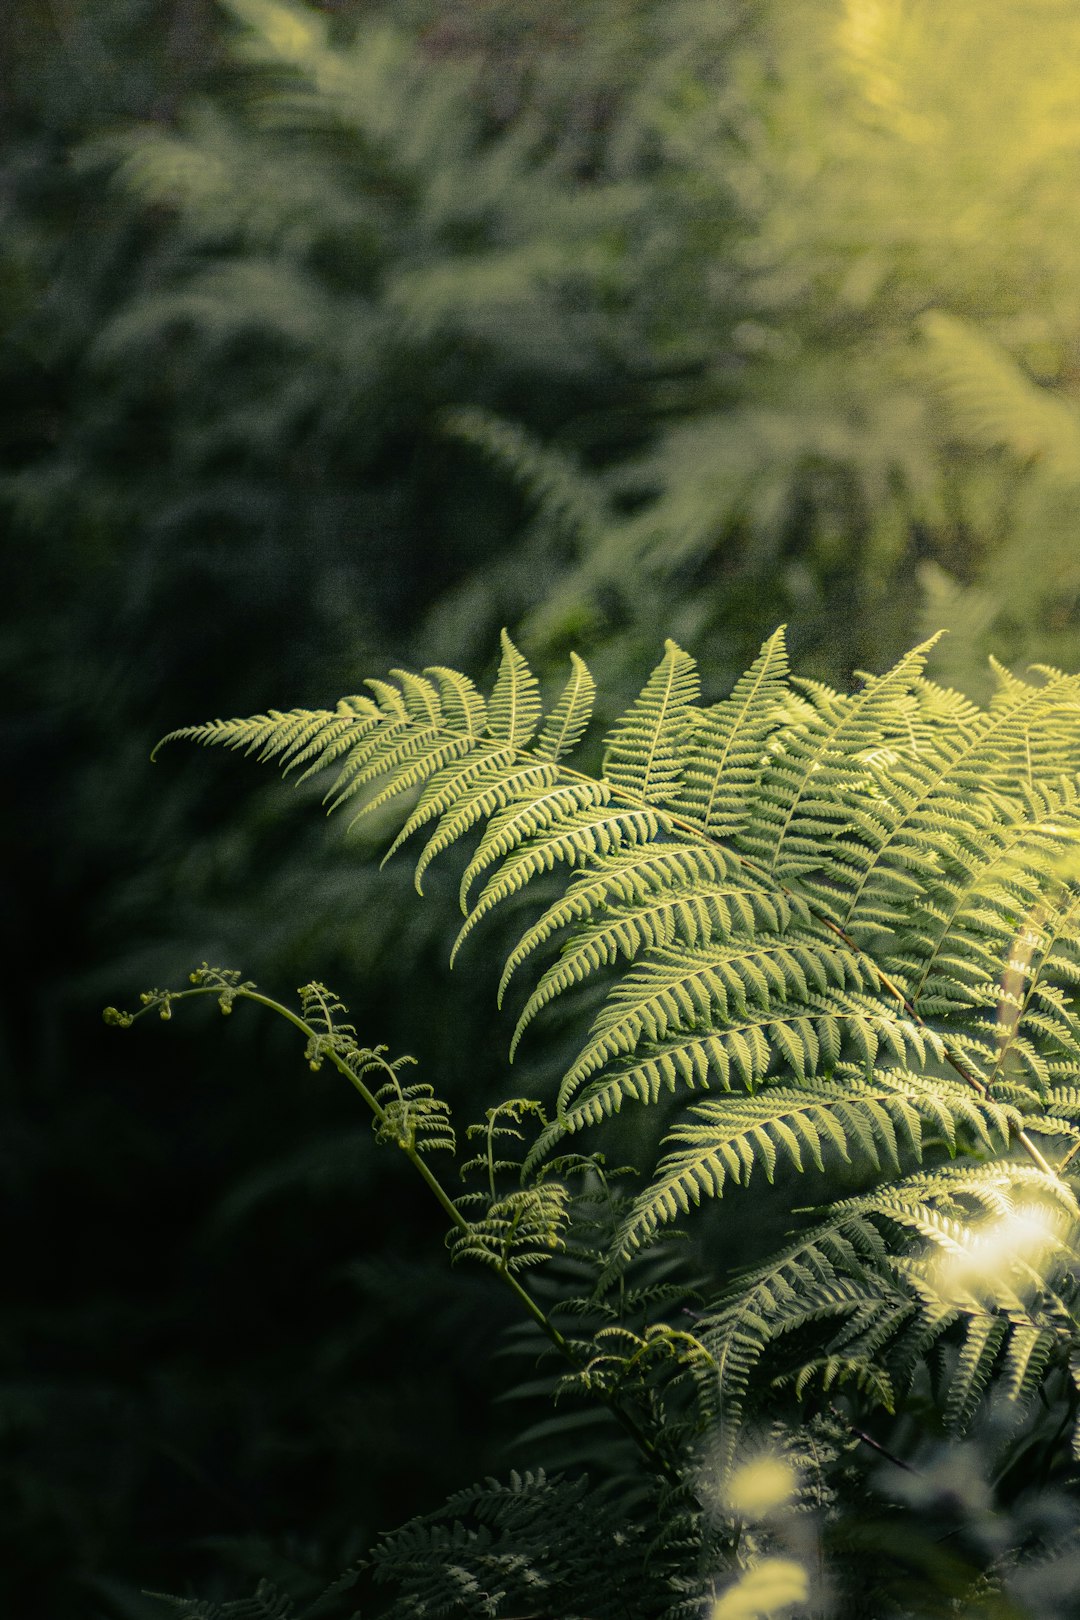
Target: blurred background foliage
x,y
337,336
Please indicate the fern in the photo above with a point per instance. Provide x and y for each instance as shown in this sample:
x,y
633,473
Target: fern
x,y
853,921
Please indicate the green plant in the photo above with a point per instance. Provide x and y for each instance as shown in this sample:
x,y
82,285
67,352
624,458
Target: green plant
x,y
852,921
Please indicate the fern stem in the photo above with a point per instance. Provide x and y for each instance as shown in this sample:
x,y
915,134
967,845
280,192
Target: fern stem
x,y
875,1445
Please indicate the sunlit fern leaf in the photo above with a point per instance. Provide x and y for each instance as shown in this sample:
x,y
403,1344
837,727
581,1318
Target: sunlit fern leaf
x,y
726,751
293,737
645,750
578,839
943,809
514,710
711,988
531,819
565,725
889,1301
491,781
814,785
694,916
416,763
1027,1353
459,783
1047,947
881,1119
464,707
413,734
640,876
966,920
805,1036
933,832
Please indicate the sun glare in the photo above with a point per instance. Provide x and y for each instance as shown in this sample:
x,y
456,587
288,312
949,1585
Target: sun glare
x,y
760,1486
1003,1252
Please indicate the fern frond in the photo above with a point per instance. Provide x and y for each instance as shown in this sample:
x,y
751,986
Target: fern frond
x,y
514,710
514,1233
727,748
413,1117
575,840
506,1548
805,1037
494,781
642,875
711,988
882,1119
266,1604
814,787
983,1338
810,903
565,499
644,750
565,725
835,1372
462,783
994,404
294,736
693,916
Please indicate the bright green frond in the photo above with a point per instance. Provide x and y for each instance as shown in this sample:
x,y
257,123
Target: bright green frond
x,y
565,725
696,915
498,779
514,710
974,1367
645,749
726,749
463,705
815,785
312,737
881,1120
630,877
534,817
573,840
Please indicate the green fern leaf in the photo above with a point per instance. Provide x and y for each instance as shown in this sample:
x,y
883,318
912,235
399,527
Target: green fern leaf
x,y
814,787
727,746
778,1122
647,874
644,750
565,725
514,710
693,916
575,840
974,1367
